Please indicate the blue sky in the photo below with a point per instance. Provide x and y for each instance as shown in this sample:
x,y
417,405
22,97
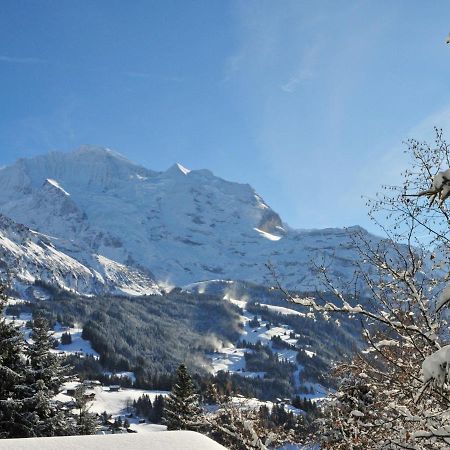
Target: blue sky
x,y
308,101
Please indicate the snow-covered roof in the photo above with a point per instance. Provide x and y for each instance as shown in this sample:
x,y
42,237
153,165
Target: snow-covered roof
x,y
168,440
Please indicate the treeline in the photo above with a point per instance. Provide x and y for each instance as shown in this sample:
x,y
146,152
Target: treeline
x,y
263,359
152,411
262,388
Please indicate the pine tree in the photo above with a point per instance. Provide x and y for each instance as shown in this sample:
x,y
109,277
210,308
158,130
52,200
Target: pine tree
x,y
86,421
66,338
13,389
182,411
45,376
105,417
158,409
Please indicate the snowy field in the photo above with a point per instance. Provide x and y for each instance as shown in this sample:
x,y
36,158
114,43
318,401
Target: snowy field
x,y
114,403
78,346
117,403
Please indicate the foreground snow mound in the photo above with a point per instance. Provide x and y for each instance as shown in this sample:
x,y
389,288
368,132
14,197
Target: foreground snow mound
x,y
170,440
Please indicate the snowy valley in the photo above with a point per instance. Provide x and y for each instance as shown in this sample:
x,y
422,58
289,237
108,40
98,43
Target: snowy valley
x,y
140,271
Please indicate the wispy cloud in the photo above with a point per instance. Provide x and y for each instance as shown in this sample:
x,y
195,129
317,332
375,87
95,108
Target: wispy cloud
x,y
305,71
232,65
138,74
424,130
21,60
303,74
148,75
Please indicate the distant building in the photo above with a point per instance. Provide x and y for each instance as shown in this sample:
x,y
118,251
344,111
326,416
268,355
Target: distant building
x,y
114,388
91,383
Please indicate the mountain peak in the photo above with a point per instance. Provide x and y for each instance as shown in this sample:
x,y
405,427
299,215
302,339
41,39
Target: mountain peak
x,y
177,169
182,168
177,226
99,151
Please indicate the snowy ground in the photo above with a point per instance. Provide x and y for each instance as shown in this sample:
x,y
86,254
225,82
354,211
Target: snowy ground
x,y
283,310
116,403
78,346
232,359
173,440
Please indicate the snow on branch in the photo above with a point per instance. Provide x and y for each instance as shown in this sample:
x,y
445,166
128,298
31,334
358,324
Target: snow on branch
x,y
440,187
436,367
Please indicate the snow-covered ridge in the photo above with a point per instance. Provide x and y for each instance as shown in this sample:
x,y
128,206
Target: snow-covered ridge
x,y
32,256
124,224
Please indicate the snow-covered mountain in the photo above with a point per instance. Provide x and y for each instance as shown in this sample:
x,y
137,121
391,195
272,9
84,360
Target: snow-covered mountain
x,y
101,222
31,256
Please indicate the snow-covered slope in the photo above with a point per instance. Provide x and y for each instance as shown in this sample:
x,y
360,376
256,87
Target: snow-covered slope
x,y
116,221
32,256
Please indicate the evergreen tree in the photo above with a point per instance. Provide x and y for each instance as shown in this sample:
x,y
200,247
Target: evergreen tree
x,y
182,411
66,338
13,389
86,423
158,409
46,366
105,417
143,406
45,376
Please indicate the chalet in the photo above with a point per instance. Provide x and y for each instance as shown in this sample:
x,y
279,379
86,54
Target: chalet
x,y
114,388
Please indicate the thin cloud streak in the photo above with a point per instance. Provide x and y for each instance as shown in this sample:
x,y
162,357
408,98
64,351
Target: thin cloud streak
x,y
147,75
21,60
424,129
305,71
138,74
